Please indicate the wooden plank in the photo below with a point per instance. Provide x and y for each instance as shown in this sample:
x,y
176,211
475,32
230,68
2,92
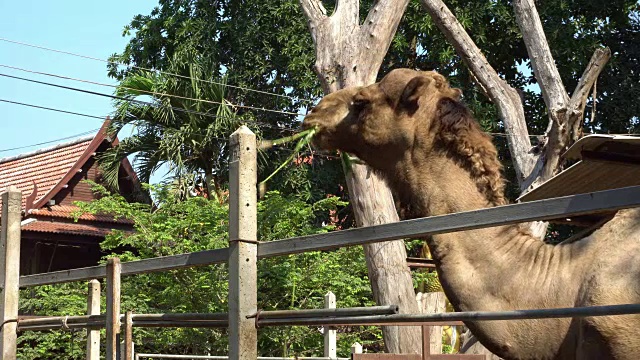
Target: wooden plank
x,y
113,309
9,271
567,206
243,245
165,263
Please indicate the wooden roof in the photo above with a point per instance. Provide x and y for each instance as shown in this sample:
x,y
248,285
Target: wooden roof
x,y
603,162
44,173
42,170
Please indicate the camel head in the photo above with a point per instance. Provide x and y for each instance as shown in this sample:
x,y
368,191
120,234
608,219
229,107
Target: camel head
x,y
407,115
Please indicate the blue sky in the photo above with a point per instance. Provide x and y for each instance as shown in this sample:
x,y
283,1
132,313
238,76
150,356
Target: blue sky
x,y
92,28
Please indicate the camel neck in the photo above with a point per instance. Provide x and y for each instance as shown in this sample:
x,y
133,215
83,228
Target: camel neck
x,y
499,268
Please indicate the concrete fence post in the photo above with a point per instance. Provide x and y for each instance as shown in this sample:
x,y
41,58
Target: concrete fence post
x,y
356,348
93,308
10,270
114,268
127,345
243,246
330,345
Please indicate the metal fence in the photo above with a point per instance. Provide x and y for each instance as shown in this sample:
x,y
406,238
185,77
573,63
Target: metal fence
x,y
245,250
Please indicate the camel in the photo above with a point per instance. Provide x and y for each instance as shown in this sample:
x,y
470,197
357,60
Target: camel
x,y
413,129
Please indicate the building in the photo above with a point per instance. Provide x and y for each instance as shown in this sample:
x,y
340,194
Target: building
x,y
51,180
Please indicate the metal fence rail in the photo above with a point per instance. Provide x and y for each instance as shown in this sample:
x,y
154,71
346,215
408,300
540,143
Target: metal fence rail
x,y
567,206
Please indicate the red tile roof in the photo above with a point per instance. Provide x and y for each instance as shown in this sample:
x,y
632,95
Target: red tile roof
x,y
50,170
46,168
67,211
66,228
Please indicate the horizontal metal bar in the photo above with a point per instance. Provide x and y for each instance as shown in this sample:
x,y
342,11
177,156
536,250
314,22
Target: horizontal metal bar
x,y
181,317
567,206
181,323
396,319
165,263
218,357
42,320
309,313
420,319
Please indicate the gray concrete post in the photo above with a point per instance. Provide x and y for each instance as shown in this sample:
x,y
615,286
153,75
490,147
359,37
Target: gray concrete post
x,y
356,348
243,247
330,346
10,270
114,268
93,308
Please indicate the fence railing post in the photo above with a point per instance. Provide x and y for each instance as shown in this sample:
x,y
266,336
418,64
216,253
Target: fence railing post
x,y
10,270
330,346
93,308
356,348
114,268
127,351
243,247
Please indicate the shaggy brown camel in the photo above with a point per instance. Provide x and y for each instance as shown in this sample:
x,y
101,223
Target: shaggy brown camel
x,y
412,128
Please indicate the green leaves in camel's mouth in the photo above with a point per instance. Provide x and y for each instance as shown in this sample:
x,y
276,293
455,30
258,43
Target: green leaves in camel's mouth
x,y
304,138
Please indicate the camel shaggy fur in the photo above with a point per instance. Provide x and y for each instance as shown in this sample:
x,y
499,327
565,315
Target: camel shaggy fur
x,y
412,128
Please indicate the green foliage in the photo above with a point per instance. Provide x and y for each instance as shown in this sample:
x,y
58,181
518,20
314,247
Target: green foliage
x,y
191,136
50,300
266,45
174,227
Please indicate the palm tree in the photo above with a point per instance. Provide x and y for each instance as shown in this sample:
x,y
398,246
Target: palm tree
x,y
181,122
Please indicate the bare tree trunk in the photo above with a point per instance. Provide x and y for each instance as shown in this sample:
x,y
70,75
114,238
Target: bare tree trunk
x,y
565,113
350,54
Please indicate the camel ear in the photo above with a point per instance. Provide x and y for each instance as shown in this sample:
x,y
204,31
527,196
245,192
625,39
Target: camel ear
x,y
413,91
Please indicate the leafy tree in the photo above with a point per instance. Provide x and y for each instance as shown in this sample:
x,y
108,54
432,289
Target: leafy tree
x,y
266,45
174,227
186,125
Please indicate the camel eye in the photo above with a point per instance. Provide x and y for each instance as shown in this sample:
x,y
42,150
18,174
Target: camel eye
x,y
359,103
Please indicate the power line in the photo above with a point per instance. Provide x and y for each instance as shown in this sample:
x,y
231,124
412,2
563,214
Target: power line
x,y
138,101
52,109
51,141
149,92
151,70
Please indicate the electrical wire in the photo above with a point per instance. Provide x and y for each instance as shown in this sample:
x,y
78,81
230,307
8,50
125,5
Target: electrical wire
x,y
137,101
52,109
151,70
256,123
150,92
50,141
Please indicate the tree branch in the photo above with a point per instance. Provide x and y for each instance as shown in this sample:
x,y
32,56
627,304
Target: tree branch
x,y
315,12
387,13
348,11
581,93
499,91
544,68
